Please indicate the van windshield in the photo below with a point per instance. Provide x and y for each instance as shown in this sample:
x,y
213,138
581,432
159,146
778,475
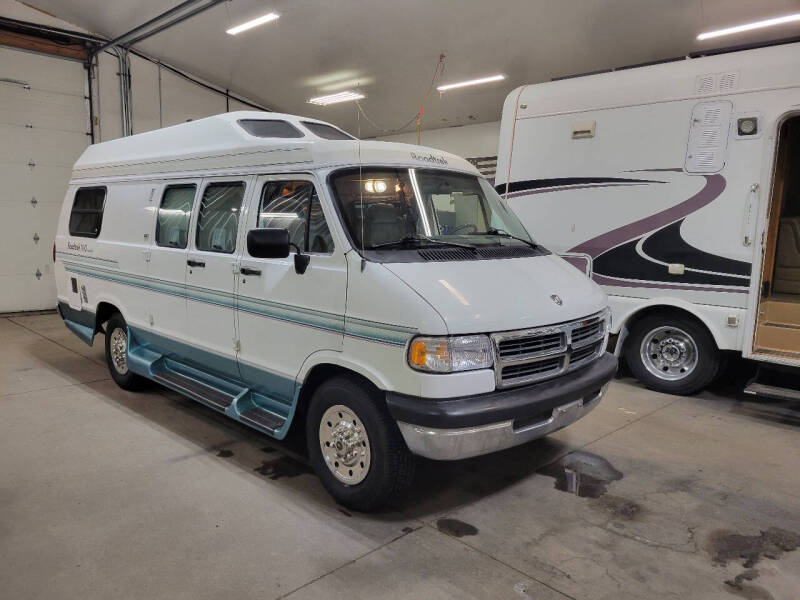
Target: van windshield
x,y
385,207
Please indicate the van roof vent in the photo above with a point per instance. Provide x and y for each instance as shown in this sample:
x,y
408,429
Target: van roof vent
x,y
705,84
728,81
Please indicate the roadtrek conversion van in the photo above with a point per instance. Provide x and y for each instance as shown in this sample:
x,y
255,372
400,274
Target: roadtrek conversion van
x,y
679,186
276,269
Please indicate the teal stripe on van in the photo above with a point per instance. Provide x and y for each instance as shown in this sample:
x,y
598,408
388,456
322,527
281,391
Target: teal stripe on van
x,y
373,331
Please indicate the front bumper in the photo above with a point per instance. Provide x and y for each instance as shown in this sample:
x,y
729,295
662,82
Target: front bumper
x,y
455,428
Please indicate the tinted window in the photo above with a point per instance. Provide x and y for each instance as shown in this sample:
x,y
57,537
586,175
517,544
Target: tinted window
x,y
218,221
172,225
86,217
267,128
294,205
327,132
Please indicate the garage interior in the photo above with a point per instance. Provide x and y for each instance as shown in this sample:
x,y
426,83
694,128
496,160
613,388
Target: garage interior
x,y
111,494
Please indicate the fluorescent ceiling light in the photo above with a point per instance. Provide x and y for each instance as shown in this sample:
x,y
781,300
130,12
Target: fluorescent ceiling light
x,y
254,23
451,86
750,26
345,96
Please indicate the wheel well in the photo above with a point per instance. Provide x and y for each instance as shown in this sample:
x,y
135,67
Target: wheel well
x,y
661,310
105,310
318,375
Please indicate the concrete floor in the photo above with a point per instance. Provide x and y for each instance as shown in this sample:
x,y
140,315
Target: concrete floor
x,y
106,494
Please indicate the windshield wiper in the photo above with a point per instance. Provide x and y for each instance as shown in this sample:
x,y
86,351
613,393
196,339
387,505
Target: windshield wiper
x,y
414,239
505,234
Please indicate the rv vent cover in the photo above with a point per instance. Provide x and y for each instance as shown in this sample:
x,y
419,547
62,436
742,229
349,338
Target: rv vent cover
x,y
708,137
716,83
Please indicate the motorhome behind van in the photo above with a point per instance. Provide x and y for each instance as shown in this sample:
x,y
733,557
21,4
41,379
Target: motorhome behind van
x,y
381,295
678,186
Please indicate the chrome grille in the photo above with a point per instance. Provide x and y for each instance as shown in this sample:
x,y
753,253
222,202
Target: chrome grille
x,y
531,355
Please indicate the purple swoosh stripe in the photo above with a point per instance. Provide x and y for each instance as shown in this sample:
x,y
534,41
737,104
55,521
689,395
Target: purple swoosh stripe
x,y
715,184
568,188
605,280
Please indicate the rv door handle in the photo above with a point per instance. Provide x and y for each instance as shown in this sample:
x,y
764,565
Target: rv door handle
x,y
195,263
249,271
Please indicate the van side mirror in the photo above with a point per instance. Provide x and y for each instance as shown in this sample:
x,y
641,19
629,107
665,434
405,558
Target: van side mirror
x,y
268,243
274,243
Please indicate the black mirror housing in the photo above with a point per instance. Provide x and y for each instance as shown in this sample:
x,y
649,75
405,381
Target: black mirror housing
x,y
268,243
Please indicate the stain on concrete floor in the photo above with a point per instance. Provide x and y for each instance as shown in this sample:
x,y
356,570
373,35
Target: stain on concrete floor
x,y
456,528
582,473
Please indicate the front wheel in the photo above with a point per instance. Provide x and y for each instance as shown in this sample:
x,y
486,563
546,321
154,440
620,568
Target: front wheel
x,y
355,446
672,354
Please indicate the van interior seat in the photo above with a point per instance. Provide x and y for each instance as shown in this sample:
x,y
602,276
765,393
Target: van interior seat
x,y
786,279
382,224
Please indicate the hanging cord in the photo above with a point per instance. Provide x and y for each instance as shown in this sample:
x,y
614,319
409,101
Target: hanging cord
x,y
513,133
437,73
361,190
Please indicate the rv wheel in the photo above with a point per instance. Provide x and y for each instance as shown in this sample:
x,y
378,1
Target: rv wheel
x,y
355,446
117,354
672,354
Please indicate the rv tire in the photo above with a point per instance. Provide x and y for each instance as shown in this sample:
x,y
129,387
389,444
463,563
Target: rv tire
x,y
672,353
117,354
374,463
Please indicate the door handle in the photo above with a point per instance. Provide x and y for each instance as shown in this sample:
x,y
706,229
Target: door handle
x,y
249,271
195,263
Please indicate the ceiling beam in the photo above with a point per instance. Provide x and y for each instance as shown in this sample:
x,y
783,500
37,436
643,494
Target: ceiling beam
x,y
181,12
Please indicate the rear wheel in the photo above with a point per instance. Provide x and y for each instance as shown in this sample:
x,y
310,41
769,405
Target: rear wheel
x,y
672,354
355,446
117,354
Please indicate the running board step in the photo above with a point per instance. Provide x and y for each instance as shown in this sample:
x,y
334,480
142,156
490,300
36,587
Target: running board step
x,y
262,419
196,390
771,391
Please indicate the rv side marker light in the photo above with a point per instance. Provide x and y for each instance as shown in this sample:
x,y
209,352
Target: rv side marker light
x,y
253,23
460,84
749,26
334,98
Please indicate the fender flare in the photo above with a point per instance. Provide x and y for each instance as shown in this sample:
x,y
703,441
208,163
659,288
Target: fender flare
x,y
333,357
622,322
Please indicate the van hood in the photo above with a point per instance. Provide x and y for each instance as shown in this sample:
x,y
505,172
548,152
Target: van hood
x,y
485,296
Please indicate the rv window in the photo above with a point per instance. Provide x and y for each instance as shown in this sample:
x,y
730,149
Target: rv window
x,y
218,221
172,225
294,205
267,128
327,132
86,217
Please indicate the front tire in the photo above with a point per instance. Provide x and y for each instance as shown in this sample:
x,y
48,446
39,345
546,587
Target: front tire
x,y
117,354
673,354
354,444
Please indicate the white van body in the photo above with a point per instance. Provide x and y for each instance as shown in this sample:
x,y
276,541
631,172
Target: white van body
x,y
645,176
256,337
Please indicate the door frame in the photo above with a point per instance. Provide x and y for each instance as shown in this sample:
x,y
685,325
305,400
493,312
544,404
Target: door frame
x,y
764,208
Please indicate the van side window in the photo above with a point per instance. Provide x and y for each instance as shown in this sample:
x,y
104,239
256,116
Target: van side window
x,y
86,217
172,224
294,205
218,221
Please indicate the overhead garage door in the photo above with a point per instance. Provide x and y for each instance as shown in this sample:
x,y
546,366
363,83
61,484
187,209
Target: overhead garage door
x,y
43,125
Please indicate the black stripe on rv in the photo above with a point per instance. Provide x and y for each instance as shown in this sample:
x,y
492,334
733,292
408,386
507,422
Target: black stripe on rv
x,y
554,182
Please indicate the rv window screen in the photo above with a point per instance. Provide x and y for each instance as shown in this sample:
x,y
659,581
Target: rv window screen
x,y
270,128
86,217
172,225
218,221
327,132
294,205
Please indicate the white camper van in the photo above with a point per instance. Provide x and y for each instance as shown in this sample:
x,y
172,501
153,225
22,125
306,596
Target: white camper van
x,y
275,269
678,186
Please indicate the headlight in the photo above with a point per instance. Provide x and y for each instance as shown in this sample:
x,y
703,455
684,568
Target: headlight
x,y
450,354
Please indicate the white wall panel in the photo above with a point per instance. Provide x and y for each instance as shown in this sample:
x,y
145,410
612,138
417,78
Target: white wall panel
x,y
468,141
107,107
145,109
182,100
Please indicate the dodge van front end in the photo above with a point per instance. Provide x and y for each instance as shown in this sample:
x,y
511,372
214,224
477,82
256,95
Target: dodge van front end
x,y
532,397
